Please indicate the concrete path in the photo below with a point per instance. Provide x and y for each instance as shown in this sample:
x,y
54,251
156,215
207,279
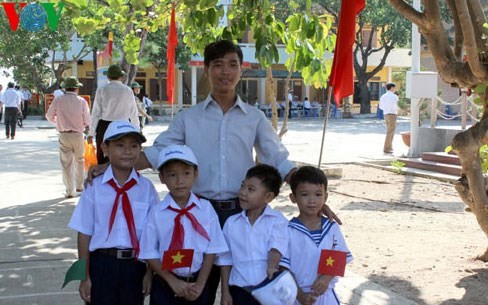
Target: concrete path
x,y
37,247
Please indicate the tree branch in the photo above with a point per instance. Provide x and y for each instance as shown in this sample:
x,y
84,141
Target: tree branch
x,y
408,11
470,40
458,33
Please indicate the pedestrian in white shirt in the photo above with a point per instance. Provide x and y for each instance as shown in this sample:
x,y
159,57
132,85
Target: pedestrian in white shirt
x,y
1,102
26,96
13,103
389,105
113,102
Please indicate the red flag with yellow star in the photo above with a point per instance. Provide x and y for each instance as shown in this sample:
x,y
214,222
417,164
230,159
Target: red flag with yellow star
x,y
173,259
332,262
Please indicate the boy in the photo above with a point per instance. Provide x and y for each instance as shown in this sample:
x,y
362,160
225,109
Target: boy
x,y
310,233
109,228
181,221
257,237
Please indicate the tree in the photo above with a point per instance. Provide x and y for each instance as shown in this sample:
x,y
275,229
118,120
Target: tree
x,y
470,31
380,29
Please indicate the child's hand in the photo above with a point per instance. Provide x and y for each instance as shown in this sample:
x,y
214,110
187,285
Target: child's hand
x,y
85,290
271,271
180,288
226,298
147,283
195,291
321,284
306,298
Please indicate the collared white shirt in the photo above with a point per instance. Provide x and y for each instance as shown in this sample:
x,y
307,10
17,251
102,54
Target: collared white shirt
x,y
223,144
389,103
113,102
92,213
69,112
58,93
160,226
250,244
303,255
11,98
26,95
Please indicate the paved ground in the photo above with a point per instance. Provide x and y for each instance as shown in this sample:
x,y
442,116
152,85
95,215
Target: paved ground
x,y
37,247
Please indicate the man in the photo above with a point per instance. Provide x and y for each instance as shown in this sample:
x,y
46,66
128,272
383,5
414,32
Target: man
x,y
71,115
58,92
1,102
26,96
113,102
13,103
389,105
141,109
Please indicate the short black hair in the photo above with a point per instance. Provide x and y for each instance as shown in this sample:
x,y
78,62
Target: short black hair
x,y
10,85
308,174
270,177
390,85
218,49
70,89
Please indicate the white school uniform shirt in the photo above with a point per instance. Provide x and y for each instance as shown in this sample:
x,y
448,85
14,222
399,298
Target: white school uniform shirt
x,y
160,226
92,213
389,103
303,256
249,245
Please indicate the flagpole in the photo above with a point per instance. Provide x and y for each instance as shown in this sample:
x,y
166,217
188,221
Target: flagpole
x,y
326,121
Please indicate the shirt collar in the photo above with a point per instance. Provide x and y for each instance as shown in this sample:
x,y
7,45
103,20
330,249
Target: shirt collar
x,y
238,104
169,201
109,174
267,212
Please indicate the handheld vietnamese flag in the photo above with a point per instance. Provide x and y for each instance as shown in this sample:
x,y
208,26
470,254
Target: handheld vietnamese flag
x,y
332,262
77,271
173,259
341,77
170,56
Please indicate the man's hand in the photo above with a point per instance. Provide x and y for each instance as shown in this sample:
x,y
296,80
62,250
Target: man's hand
x,y
85,290
149,118
94,172
330,214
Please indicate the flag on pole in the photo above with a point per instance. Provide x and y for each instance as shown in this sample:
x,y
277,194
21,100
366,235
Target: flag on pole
x,y
341,77
77,271
332,262
170,56
179,258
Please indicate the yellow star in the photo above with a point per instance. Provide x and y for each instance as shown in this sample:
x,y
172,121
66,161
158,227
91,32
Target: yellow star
x,y
178,258
330,261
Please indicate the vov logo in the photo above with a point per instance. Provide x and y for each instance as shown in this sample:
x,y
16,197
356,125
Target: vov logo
x,y
32,16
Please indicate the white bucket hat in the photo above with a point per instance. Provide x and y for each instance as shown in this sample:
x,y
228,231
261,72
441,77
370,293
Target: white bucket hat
x,y
280,290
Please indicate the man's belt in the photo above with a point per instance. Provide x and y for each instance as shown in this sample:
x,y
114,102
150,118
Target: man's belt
x,y
224,205
118,253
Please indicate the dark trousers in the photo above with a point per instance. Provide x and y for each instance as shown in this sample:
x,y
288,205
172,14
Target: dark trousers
x,y
213,280
242,297
162,294
101,128
10,121
116,281
25,108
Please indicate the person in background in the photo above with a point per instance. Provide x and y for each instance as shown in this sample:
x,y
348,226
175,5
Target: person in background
x,y
13,108
58,92
389,105
1,102
26,96
141,109
306,107
71,115
148,103
113,102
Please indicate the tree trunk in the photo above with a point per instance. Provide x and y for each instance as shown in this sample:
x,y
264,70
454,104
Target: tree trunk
x,y
364,97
